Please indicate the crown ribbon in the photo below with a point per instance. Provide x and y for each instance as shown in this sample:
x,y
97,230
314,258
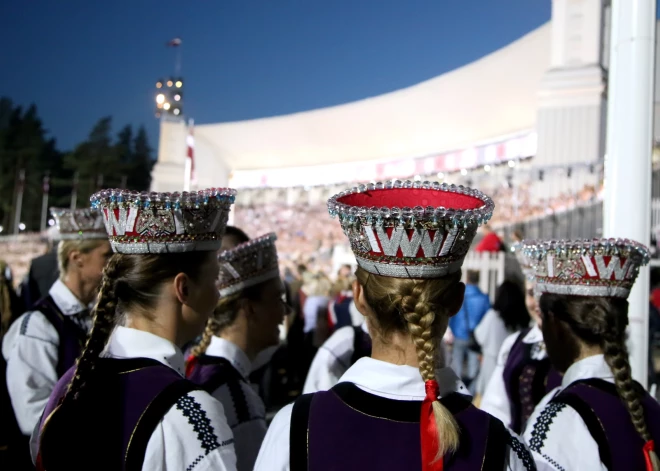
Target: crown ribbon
x,y
429,429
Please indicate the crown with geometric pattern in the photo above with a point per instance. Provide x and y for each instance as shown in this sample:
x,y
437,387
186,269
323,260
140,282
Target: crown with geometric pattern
x,y
248,264
142,223
78,224
410,229
597,267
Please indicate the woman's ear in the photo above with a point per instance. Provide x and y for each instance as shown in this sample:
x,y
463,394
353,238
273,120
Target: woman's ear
x,y
359,299
76,258
181,285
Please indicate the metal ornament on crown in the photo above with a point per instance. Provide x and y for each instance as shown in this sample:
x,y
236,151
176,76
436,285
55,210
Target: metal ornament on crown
x,y
78,224
524,262
410,229
597,267
156,223
248,264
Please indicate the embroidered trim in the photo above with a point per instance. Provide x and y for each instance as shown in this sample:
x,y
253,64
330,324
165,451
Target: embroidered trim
x,y
195,463
196,416
553,462
542,425
523,453
24,324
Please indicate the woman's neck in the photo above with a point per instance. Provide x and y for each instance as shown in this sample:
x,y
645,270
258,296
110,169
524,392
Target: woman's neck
x,y
163,325
398,349
81,290
237,335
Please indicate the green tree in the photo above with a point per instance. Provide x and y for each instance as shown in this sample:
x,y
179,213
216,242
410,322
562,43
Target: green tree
x,y
95,161
141,164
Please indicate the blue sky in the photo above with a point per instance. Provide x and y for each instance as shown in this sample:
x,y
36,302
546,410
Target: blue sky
x,y
80,60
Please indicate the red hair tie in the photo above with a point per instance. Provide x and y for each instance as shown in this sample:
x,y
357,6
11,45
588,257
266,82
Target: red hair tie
x,y
191,363
429,430
648,448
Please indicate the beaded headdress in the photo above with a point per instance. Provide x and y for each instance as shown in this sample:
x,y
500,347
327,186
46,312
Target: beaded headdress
x,y
410,229
165,222
78,224
524,262
248,264
598,267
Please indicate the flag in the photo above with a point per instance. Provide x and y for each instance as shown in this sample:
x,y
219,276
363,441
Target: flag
x,y
190,142
176,42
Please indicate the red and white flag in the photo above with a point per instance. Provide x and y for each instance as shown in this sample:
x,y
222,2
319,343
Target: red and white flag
x,y
190,155
176,42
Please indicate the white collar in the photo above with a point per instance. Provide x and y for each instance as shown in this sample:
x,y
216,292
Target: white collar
x,y
223,348
590,367
65,299
534,335
400,382
126,342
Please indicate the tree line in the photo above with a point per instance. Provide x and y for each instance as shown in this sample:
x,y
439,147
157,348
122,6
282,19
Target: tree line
x,y
31,162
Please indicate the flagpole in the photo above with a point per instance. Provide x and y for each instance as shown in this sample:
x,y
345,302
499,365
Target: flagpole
x,y
74,191
188,173
44,201
19,200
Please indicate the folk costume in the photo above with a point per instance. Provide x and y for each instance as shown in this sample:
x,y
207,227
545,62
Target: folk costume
x,y
523,374
44,343
583,423
379,414
138,411
224,370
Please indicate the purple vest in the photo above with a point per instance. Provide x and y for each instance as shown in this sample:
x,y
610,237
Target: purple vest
x,y
347,428
72,337
526,381
111,422
212,372
609,422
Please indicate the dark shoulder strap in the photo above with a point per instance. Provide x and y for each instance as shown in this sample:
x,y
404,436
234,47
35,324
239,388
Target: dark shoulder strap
x,y
591,420
150,420
224,373
298,449
49,309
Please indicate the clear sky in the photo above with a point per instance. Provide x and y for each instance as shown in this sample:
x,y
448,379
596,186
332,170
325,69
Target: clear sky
x,y
79,60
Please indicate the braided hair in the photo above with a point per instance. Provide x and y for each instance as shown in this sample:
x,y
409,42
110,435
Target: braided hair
x,y
602,322
131,283
417,307
224,315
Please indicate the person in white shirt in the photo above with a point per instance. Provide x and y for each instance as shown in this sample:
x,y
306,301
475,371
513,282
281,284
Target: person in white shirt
x,y
44,343
523,374
126,403
598,418
392,411
508,314
245,322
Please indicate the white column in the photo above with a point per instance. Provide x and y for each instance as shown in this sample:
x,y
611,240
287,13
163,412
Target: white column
x,y
627,210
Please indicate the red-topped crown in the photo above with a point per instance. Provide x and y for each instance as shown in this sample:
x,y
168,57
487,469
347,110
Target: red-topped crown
x,y
411,229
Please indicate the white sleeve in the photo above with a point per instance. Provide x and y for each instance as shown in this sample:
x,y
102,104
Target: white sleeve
x,y
559,439
331,361
274,453
192,435
495,400
31,353
482,329
518,457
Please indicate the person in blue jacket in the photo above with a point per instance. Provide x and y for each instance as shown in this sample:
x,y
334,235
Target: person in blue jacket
x,y
475,306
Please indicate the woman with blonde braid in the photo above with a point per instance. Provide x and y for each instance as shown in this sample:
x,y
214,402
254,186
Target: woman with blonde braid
x,y
126,404
394,410
599,418
245,322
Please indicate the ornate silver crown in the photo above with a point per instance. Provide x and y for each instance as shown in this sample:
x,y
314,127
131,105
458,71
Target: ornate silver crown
x,y
598,267
248,264
524,261
410,229
78,224
165,222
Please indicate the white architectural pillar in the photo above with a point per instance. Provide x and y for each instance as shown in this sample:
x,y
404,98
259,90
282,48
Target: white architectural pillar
x,y
627,210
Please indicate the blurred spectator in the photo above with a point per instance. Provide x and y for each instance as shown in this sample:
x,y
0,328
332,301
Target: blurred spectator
x,y
490,241
508,315
475,305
